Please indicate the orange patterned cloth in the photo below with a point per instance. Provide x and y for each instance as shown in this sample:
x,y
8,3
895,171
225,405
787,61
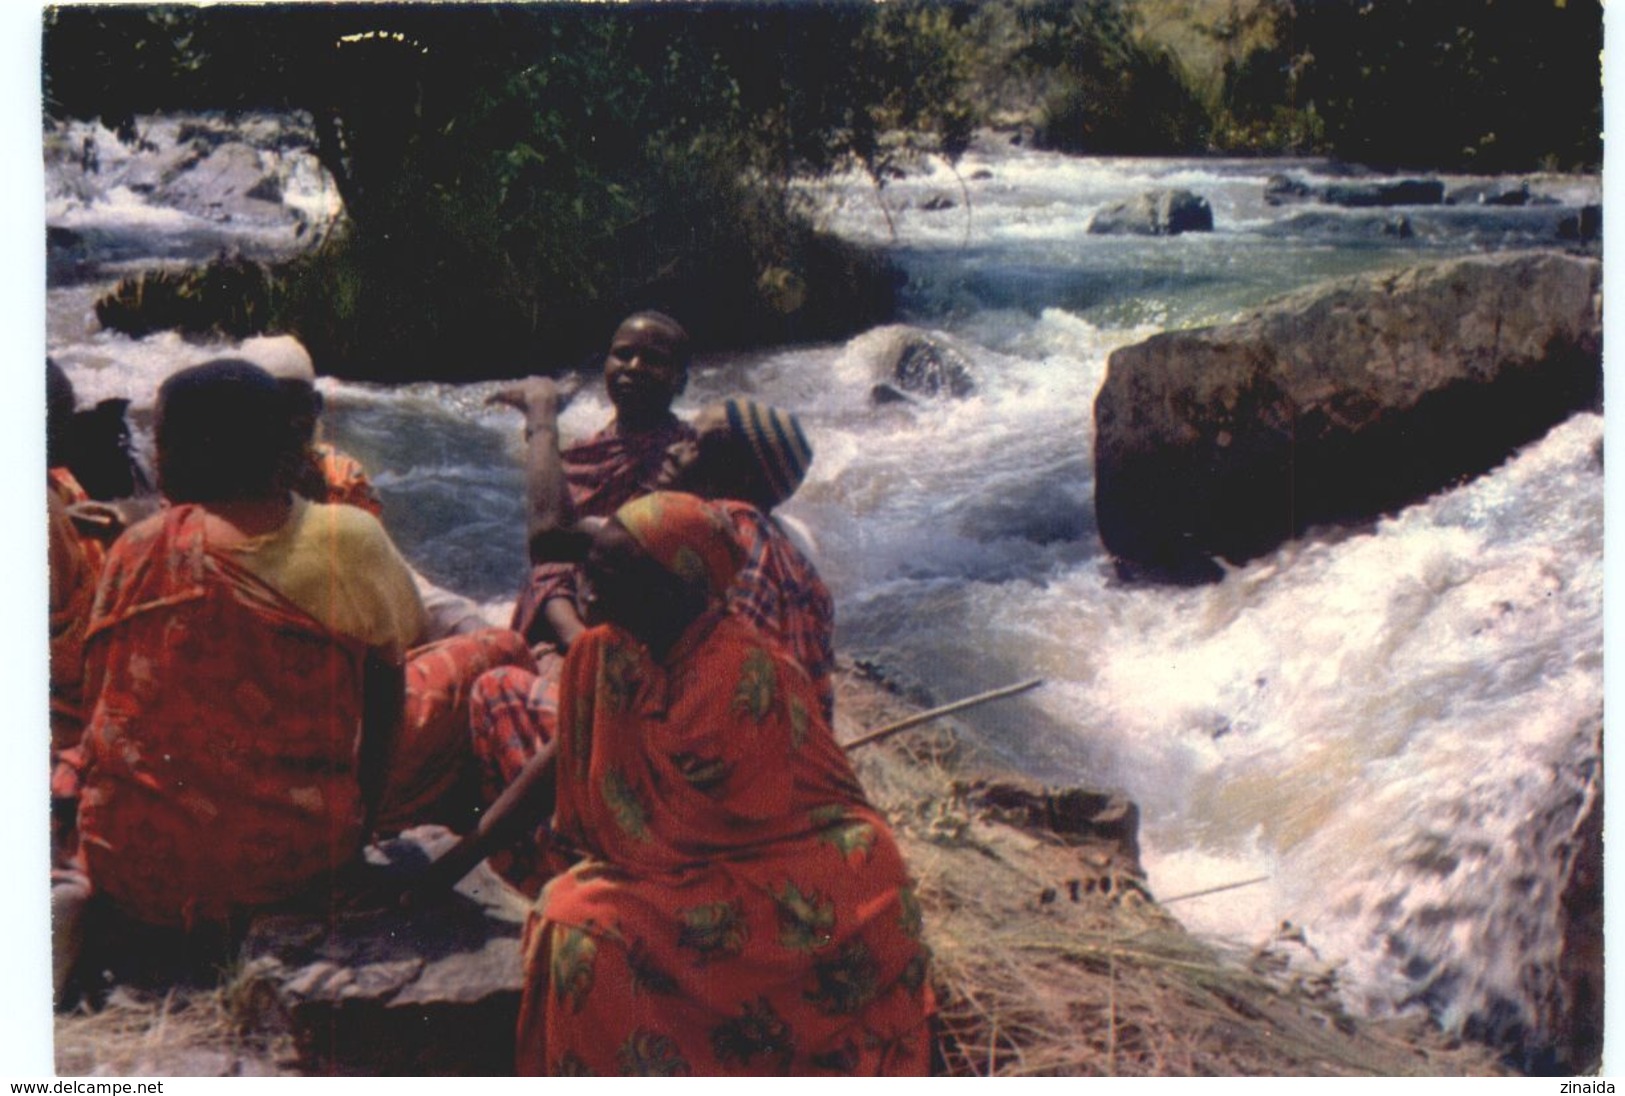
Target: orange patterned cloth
x,y
75,562
432,749
62,484
740,908
691,538
221,733
346,480
225,715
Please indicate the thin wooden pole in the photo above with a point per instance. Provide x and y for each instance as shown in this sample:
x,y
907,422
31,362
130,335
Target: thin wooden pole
x,y
1212,890
925,717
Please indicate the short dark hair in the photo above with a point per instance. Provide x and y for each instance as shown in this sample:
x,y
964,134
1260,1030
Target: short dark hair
x,y
222,433
685,343
303,404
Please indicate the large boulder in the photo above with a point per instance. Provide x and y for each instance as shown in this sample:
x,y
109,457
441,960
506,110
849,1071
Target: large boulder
x,y
1155,213
1336,405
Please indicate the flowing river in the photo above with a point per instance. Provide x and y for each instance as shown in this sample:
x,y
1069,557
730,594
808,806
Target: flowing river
x,y
1397,726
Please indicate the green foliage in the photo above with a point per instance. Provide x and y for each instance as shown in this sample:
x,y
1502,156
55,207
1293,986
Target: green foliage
x,y
517,177
1473,85
1099,88
1481,85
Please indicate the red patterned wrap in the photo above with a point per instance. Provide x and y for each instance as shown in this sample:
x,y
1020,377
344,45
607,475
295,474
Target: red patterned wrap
x,y
221,735
740,907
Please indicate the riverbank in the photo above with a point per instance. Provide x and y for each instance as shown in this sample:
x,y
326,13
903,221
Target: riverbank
x,y
1051,955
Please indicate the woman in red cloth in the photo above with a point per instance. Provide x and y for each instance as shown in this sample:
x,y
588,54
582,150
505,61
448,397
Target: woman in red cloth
x,y
739,907
255,703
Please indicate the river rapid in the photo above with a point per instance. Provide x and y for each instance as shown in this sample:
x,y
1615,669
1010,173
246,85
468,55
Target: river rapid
x,y
1396,727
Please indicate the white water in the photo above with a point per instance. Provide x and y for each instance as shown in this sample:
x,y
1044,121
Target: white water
x,y
1396,725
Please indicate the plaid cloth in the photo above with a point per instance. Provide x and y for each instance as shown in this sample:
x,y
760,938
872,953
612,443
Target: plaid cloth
x,y
779,591
602,473
512,713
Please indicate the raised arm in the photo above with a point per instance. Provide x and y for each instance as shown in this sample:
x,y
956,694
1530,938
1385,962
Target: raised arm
x,y
549,517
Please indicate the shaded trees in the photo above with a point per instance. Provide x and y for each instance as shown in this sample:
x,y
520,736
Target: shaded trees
x,y
517,176
1483,85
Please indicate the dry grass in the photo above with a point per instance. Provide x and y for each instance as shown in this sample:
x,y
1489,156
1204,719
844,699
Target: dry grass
x,y
185,1031
1051,958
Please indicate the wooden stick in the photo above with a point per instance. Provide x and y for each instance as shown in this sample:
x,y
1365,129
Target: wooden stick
x,y
925,717
1212,890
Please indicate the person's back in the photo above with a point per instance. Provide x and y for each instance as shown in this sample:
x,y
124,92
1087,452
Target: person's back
x,y
779,591
222,733
223,719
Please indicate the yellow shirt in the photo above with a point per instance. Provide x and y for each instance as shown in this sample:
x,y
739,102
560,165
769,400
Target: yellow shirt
x,y
337,563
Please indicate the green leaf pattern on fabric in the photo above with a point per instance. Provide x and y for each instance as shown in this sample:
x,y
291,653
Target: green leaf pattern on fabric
x,y
570,1065
621,676
690,567
838,827
758,1032
912,922
806,921
570,967
758,685
846,982
705,774
647,975
650,1054
855,836
842,1060
827,815
715,930
799,723
625,807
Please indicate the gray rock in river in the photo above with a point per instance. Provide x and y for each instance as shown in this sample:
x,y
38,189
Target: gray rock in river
x,y
1286,190
1336,405
1400,192
1164,212
1490,192
907,361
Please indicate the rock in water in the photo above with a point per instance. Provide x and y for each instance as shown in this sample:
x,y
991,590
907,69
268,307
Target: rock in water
x,y
906,361
1336,405
430,990
1402,192
1154,213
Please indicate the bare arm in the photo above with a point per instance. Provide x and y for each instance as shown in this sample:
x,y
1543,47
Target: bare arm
x,y
548,516
383,699
566,622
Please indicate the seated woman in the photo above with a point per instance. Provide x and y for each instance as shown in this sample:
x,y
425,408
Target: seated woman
x,y
739,907
252,712
748,458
